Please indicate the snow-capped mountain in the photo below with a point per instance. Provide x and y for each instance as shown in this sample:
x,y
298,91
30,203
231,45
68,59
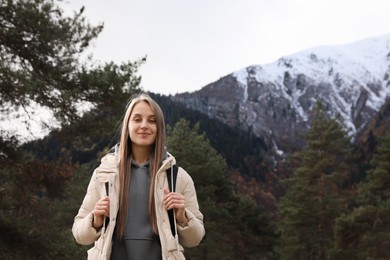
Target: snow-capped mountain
x,y
276,100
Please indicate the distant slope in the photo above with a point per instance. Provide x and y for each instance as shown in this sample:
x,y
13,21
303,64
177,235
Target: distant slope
x,y
275,101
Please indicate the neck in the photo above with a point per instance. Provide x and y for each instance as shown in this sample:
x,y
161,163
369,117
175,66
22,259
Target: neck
x,y
141,153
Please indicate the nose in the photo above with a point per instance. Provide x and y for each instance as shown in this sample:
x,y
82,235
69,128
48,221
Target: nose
x,y
144,124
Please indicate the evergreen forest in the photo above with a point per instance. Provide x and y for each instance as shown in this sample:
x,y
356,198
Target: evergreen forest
x,y
331,199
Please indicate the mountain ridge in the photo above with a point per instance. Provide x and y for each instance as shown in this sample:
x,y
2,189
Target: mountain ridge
x,y
276,100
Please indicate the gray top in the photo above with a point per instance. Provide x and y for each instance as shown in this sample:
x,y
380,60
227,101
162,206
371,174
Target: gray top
x,y
139,241
138,224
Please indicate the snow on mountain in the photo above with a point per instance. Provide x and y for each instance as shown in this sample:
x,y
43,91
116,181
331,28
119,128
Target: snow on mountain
x,y
357,65
360,61
276,99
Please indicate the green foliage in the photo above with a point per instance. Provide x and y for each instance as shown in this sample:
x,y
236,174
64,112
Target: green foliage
x,y
315,196
31,222
112,87
365,232
201,158
39,55
376,189
236,228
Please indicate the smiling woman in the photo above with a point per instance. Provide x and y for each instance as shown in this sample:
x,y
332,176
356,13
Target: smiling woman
x,y
142,130
125,209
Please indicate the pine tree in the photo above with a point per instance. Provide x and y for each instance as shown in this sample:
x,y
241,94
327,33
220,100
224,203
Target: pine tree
x,y
365,232
39,54
40,51
315,196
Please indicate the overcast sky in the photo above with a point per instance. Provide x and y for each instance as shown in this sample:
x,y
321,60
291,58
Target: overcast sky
x,y
190,44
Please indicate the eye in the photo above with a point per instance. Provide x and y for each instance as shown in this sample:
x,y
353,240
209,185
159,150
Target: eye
x,y
137,119
152,120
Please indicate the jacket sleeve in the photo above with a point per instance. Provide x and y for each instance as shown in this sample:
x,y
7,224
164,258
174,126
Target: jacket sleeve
x,y
191,234
83,231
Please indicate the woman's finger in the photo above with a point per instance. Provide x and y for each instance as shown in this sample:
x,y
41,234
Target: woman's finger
x,y
174,200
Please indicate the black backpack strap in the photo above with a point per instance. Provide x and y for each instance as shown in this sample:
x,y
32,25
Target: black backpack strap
x,y
106,219
107,188
172,187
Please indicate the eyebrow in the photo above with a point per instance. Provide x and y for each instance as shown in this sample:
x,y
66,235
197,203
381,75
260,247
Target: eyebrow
x,y
152,115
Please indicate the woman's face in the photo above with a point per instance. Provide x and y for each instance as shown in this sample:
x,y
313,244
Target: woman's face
x,y
142,125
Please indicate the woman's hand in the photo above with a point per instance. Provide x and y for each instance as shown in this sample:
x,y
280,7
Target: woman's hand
x,y
176,201
102,208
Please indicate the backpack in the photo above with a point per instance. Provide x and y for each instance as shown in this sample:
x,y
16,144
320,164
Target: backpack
x,y
172,176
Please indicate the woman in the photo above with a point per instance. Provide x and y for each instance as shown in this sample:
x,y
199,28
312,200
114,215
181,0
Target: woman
x,y
125,209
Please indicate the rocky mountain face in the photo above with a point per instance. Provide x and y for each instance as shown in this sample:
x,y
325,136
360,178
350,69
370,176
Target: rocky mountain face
x,y
276,100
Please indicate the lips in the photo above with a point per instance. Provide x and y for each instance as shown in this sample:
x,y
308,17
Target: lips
x,y
144,134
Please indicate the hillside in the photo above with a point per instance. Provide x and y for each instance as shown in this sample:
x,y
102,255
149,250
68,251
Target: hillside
x,y
275,101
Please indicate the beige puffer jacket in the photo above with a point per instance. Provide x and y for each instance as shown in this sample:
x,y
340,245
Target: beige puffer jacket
x,y
172,248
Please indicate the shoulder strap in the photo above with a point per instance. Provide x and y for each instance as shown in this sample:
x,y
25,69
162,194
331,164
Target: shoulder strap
x,y
172,187
106,219
107,189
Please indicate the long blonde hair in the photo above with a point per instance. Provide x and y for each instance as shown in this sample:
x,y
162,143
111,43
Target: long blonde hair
x,y
125,155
